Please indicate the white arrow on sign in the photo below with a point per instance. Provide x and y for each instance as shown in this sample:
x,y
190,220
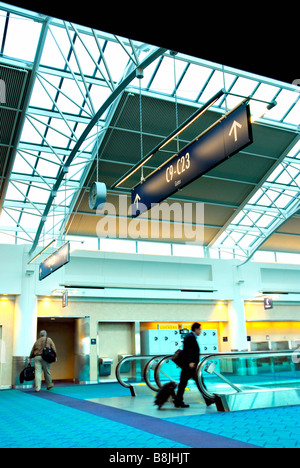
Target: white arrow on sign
x,y
234,127
137,200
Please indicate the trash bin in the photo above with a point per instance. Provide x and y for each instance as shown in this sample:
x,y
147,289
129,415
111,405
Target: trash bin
x,y
127,365
105,364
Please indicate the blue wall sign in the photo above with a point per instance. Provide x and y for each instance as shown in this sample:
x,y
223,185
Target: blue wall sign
x,y
268,303
228,136
55,261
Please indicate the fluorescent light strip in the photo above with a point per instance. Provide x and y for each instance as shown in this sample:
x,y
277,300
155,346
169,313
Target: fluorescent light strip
x,y
41,252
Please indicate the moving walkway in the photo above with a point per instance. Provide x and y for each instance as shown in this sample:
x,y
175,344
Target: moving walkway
x,y
233,381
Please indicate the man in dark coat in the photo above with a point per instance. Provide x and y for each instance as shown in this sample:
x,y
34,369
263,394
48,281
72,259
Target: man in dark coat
x,y
190,358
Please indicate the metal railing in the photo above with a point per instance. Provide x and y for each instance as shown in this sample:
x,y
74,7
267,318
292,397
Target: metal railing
x,y
221,373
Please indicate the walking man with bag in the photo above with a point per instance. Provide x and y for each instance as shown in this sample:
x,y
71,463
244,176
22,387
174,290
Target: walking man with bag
x,y
40,364
190,360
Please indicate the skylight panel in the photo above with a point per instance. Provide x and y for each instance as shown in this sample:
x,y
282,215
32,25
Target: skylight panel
x,y
265,221
30,221
266,92
6,238
43,91
215,84
193,82
285,199
39,193
82,61
72,97
276,173
7,218
249,219
164,81
247,241
33,132
295,151
58,134
99,95
47,168
116,59
293,116
22,38
285,177
2,24
21,165
56,48
13,193
242,87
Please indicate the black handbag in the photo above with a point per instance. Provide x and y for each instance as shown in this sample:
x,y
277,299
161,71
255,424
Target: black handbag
x,y
27,374
177,358
48,354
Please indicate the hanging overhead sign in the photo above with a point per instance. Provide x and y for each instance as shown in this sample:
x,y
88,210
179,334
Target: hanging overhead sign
x,y
55,261
229,135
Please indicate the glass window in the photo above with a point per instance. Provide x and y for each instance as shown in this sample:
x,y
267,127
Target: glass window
x,y
3,15
266,92
117,245
293,116
82,243
295,151
33,131
193,82
154,248
85,61
263,256
7,238
164,81
215,84
284,100
182,250
116,59
291,258
15,191
39,193
57,47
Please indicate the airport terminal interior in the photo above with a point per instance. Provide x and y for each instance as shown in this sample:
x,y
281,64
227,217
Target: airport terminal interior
x,y
143,190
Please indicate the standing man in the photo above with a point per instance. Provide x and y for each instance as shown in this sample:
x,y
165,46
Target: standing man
x,y
191,358
39,364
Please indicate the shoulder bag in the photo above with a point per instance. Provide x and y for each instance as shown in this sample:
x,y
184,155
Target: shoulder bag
x,y
48,354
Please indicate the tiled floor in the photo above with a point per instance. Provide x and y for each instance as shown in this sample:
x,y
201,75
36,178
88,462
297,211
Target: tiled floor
x,y
107,416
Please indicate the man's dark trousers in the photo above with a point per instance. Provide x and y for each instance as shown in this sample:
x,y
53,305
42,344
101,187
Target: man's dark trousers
x,y
186,374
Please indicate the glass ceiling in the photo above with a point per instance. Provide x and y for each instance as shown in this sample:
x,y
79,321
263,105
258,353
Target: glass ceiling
x,y
78,70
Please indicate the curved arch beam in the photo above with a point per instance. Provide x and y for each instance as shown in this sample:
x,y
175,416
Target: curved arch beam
x,y
119,89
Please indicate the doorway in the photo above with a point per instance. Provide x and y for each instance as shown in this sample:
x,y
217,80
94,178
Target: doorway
x,y
62,332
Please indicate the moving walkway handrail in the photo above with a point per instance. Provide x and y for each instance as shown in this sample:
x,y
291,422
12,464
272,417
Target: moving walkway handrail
x,y
247,355
146,371
132,358
159,384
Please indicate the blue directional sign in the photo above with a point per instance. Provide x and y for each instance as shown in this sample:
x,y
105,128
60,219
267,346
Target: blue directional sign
x,y
55,261
229,135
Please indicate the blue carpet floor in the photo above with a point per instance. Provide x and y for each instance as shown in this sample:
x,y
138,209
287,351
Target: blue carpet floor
x,y
29,420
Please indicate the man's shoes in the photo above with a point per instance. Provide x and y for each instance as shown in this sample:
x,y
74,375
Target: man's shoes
x,y
181,405
51,386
